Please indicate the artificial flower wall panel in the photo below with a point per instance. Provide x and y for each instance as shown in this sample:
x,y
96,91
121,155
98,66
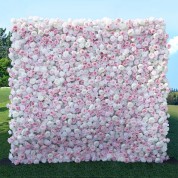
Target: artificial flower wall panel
x,y
86,90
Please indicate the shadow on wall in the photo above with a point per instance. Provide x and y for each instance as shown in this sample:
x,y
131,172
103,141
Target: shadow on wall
x,y
2,109
173,135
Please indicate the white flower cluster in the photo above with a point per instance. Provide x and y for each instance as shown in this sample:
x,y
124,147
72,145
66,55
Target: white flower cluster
x,y
86,90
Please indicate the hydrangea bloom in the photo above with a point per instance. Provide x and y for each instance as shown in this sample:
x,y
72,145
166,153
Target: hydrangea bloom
x,y
86,90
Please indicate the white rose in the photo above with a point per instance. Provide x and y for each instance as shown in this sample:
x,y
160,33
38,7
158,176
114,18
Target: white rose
x,y
9,132
130,32
161,120
84,91
61,73
101,70
65,54
151,55
32,81
134,86
91,107
151,120
115,118
25,59
34,33
122,25
121,67
32,45
36,69
10,156
116,97
50,155
81,45
43,69
81,40
47,142
17,45
47,133
114,68
112,38
130,105
40,32
31,136
49,123
28,90
120,38
96,143
87,44
40,97
101,46
59,81
15,114
68,38
68,130
16,100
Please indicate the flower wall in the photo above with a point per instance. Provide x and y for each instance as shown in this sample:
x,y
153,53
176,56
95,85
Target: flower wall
x,y
86,90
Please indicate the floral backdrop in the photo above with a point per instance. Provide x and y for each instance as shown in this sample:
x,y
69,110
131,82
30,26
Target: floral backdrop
x,y
86,90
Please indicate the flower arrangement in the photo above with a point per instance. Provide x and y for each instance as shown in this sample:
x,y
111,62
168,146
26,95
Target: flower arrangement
x,y
86,90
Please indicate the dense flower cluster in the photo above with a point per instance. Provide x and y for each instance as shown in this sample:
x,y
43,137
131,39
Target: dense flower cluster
x,y
88,90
